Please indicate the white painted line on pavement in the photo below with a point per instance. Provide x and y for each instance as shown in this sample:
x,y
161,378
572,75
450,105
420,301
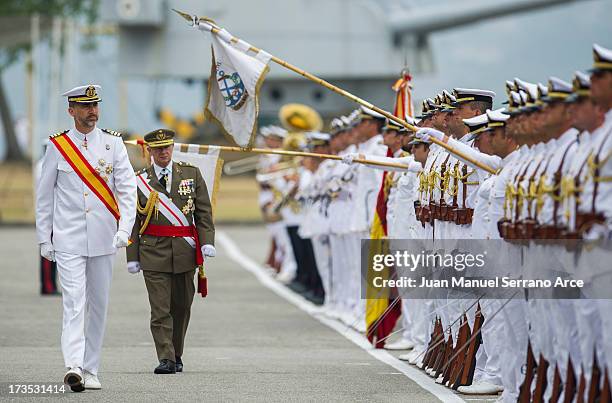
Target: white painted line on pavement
x,y
420,378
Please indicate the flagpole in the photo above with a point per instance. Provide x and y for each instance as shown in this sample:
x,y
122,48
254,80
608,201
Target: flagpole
x,y
205,147
215,30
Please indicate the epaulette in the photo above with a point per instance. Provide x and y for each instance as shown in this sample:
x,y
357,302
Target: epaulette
x,y
58,134
112,132
185,164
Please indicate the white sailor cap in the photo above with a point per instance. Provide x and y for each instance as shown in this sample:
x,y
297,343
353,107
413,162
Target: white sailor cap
x,y
346,120
476,125
510,86
336,126
497,118
84,94
515,102
367,113
602,59
354,117
317,138
447,100
473,95
581,86
558,90
273,131
530,89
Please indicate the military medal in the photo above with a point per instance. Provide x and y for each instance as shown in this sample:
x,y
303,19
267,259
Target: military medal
x,y
109,169
189,207
85,142
186,186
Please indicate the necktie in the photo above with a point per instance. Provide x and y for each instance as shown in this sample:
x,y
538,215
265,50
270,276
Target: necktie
x,y
163,178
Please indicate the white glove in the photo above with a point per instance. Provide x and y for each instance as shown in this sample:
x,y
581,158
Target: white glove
x,y
348,158
47,251
133,267
209,250
427,133
121,239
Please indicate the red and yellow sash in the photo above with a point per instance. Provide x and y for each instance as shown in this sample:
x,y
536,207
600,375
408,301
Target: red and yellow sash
x,y
86,172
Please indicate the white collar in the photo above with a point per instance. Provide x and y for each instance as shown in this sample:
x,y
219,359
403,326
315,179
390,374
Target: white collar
x,y
82,136
158,169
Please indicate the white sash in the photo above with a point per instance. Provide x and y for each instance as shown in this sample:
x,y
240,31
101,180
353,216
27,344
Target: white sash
x,y
166,207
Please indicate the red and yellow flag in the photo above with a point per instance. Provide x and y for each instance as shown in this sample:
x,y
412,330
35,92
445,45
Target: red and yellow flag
x,y
382,308
86,172
403,97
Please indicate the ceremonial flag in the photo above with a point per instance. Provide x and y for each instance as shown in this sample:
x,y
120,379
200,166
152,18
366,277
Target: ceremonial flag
x,y
382,308
403,98
382,311
207,161
210,166
237,73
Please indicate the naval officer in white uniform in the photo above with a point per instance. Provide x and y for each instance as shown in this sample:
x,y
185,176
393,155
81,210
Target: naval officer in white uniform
x,y
81,229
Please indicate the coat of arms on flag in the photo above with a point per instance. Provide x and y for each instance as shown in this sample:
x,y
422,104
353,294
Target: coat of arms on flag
x,y
232,89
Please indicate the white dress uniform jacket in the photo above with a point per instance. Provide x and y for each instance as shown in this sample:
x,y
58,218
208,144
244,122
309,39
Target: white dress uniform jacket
x,y
68,213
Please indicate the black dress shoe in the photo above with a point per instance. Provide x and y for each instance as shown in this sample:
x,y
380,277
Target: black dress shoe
x,y
165,367
179,364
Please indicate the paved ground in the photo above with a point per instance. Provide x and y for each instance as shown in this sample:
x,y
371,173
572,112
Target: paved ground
x,y
244,342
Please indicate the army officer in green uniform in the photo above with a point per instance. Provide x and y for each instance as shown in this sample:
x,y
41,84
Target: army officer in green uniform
x,y
173,231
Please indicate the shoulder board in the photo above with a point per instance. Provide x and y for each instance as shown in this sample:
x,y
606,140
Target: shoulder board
x,y
140,172
185,164
58,134
111,132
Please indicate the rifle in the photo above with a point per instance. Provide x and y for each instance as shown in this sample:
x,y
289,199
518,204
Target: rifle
x,y
541,380
442,358
570,382
525,389
467,375
581,386
432,339
462,340
556,386
594,392
605,396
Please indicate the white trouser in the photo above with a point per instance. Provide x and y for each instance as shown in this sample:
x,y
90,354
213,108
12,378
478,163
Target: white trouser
x,y
322,252
284,251
85,283
338,275
494,340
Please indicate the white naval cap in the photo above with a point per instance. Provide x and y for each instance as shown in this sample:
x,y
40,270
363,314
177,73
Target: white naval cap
x,y
367,113
602,59
476,125
318,136
581,87
84,94
273,131
336,125
497,118
558,90
473,94
530,89
497,115
476,120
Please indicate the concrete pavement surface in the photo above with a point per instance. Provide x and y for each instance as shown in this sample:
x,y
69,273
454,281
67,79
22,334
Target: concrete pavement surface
x,y
244,342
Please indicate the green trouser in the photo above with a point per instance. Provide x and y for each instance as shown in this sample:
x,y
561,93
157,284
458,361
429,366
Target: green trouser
x,y
170,297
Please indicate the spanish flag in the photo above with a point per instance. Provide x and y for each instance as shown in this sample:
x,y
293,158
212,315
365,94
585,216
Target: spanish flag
x,y
382,307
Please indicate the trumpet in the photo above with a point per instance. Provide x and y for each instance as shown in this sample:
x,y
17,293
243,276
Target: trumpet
x,y
241,166
279,173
